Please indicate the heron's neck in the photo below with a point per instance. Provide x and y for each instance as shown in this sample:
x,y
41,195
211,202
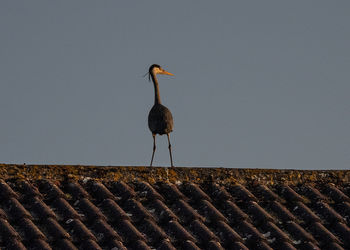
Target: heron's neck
x,y
156,89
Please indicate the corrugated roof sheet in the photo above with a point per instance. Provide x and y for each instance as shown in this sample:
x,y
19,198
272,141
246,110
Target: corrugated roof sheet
x,y
77,207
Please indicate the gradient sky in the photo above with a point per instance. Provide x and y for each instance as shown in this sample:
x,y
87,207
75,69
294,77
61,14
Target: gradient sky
x,y
258,84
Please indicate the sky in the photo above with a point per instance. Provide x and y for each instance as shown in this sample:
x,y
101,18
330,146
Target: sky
x,y
258,84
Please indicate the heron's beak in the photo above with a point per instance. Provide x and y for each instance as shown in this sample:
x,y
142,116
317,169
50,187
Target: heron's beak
x,y
166,73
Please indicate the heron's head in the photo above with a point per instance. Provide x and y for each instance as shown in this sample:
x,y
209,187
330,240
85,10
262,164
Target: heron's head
x,y
156,69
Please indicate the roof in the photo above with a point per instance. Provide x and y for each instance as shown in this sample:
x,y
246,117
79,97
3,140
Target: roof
x,y
86,207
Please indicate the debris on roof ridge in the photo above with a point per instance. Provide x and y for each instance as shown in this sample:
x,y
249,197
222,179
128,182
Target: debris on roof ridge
x,y
173,175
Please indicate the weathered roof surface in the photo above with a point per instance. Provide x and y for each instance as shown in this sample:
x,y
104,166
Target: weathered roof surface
x,y
85,207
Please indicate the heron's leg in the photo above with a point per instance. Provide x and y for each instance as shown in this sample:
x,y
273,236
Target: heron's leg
x,y
154,148
171,157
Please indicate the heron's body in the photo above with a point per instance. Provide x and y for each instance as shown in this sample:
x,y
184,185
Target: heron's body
x,y
160,119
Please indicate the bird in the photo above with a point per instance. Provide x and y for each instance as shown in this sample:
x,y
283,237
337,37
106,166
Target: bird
x,y
160,119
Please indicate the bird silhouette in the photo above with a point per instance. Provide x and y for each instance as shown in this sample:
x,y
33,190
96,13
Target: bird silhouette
x,y
160,119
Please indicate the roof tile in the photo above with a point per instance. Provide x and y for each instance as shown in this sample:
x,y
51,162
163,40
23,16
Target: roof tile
x,y
28,189
166,245
30,230
328,213
322,232
39,244
6,191
263,246
202,231
289,194
195,192
90,210
137,210
334,246
38,207
214,245
65,210
50,190
190,245
282,212
3,214
14,244
242,194
239,246
65,244
186,212
113,211
163,212
219,193
249,232
116,245
233,212
122,190
99,191
104,231
227,234
140,245
273,232
312,193
76,190
79,231
309,246
286,246
129,231
305,213
90,245
171,192
16,209
7,231
258,213
266,193
298,232
335,193
343,231
148,191
55,230
155,233
344,210
346,190
179,232
211,213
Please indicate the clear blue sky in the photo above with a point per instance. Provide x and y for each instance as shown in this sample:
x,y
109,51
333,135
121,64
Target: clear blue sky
x,y
258,84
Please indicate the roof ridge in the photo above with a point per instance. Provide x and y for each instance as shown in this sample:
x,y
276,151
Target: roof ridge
x,y
173,175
